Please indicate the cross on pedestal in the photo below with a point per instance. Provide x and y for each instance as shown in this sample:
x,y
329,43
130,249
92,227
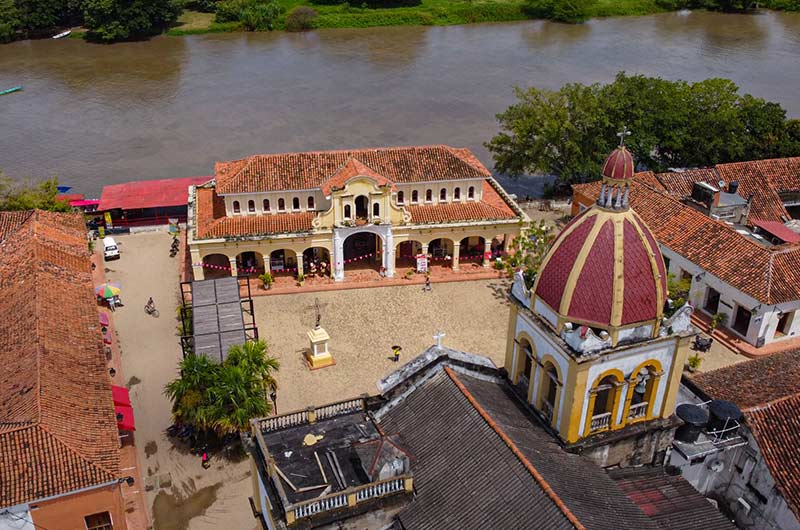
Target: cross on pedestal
x,y
438,336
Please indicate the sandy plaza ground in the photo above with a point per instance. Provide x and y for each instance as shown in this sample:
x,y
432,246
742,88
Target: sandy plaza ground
x,y
363,325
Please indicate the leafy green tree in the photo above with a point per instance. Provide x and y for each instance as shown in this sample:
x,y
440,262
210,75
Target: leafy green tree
x,y
16,195
676,124
9,20
530,248
113,20
224,397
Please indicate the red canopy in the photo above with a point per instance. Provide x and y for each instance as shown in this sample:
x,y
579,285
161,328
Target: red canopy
x,y
148,193
121,395
85,202
125,420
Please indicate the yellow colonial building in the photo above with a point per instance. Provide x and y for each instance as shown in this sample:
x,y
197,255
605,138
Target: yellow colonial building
x,y
588,345
341,210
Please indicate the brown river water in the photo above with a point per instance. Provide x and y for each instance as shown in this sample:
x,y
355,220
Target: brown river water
x,y
95,114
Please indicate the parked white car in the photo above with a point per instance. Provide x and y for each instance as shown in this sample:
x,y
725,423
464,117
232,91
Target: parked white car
x,y
110,249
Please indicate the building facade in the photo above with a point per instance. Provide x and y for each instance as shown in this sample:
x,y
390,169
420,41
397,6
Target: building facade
x,y
589,346
339,210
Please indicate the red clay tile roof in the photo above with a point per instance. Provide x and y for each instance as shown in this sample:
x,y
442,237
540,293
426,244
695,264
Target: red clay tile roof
x,y
212,222
771,275
761,178
669,500
58,430
776,428
312,169
11,221
753,383
491,207
768,391
350,169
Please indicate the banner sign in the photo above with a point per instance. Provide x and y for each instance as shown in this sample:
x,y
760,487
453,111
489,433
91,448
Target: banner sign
x,y
422,263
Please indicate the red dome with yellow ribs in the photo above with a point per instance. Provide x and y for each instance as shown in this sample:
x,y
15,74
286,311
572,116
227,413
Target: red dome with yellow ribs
x,y
605,269
619,164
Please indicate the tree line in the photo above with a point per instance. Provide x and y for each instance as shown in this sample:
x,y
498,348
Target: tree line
x,y
105,20
676,124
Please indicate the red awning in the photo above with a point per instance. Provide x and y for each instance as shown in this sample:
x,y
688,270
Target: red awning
x,y
125,420
778,230
148,193
84,202
121,395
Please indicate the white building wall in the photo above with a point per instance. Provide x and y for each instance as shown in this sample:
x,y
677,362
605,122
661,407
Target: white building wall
x,y
627,361
763,322
436,187
320,202
744,475
17,518
542,346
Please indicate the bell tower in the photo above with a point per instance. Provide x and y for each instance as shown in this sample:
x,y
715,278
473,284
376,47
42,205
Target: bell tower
x,y
589,347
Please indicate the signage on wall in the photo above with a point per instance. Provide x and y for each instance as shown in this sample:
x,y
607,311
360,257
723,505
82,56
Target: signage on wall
x,y
422,263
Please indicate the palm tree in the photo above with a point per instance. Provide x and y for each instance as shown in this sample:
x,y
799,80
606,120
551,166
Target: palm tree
x,y
224,397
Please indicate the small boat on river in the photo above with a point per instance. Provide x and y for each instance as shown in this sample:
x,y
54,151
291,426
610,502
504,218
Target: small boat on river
x,y
10,90
62,34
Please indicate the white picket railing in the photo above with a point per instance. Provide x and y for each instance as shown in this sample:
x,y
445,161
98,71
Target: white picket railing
x,y
284,421
638,411
330,502
338,409
379,490
601,422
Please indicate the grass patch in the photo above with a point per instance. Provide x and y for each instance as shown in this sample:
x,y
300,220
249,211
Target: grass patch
x,y
77,35
194,20
619,8
213,27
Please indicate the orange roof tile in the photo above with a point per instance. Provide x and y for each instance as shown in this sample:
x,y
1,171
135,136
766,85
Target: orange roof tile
x,y
771,275
312,169
58,429
350,169
212,222
762,179
491,207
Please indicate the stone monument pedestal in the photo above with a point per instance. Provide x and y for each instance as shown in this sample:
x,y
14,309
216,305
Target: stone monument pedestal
x,y
318,355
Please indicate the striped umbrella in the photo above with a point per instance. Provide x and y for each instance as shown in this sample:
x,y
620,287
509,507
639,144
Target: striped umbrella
x,y
107,290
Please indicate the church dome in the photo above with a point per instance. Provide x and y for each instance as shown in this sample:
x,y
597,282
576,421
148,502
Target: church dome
x,y
604,270
619,164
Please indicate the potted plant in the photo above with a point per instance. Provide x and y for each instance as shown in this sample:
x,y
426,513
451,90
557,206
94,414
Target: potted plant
x,y
409,274
717,320
693,362
266,280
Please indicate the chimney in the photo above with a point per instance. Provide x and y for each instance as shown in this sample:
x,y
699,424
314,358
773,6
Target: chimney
x,y
733,187
715,199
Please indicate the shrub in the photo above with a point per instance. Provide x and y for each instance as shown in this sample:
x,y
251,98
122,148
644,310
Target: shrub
x,y
571,11
260,17
266,279
301,18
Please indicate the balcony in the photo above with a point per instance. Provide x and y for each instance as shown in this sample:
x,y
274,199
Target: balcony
x,y
600,422
638,411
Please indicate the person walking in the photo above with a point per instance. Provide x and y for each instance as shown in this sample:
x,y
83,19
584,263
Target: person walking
x,y
205,458
396,351
427,287
111,303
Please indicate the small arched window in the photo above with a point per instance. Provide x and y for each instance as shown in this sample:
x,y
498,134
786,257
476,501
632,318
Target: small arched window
x,y
428,195
310,202
457,194
443,194
347,211
236,207
376,210
400,197
251,206
281,205
415,196
471,192
266,205
296,203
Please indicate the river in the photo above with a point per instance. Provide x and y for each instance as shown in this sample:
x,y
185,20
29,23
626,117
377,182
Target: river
x,y
172,106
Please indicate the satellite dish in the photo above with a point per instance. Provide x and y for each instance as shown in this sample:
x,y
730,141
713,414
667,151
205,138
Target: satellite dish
x,y
721,184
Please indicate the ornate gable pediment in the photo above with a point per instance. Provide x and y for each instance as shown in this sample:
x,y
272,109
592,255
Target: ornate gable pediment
x,y
350,170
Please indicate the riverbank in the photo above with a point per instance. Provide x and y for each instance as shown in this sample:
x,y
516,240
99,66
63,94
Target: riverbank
x,y
428,13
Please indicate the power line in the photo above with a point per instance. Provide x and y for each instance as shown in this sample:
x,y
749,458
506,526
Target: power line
x,y
15,516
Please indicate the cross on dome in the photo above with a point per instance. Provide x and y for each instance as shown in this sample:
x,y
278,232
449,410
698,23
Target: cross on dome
x,y
622,134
